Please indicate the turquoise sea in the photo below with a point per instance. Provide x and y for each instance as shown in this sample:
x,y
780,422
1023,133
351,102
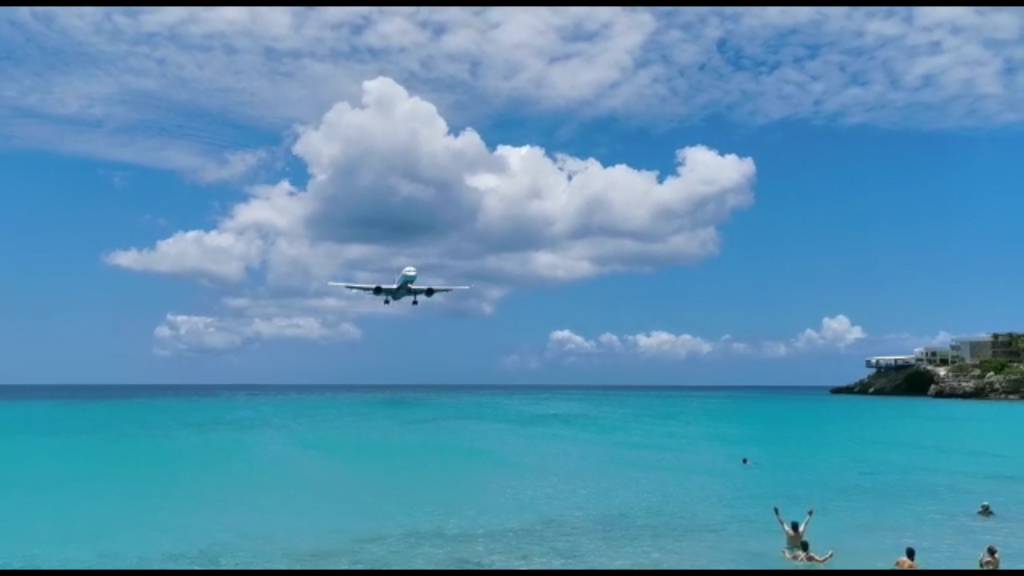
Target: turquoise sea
x,y
406,477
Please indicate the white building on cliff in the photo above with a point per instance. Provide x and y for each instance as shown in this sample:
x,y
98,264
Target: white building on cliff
x,y
969,350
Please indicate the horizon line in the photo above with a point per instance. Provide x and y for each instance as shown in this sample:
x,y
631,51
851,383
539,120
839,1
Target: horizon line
x,y
414,385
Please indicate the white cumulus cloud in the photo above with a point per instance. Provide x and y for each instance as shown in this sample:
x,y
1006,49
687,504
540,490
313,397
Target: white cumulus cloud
x,y
181,87
835,333
391,185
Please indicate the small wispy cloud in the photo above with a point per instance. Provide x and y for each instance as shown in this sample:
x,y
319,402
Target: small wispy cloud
x,y
181,334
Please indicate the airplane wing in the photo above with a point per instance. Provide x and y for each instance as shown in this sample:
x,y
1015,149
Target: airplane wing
x,y
418,290
359,287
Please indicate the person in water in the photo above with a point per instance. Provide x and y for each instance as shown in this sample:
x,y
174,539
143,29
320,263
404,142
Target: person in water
x,y
803,554
908,561
795,531
989,559
985,510
745,461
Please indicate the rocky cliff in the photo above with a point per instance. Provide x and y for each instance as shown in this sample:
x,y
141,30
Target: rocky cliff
x,y
979,385
938,383
912,381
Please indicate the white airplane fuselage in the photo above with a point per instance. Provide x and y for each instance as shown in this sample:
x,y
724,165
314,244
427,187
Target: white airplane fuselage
x,y
404,281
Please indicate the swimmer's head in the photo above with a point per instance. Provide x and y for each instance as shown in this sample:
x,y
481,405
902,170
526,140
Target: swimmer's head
x,y
744,460
991,550
805,546
985,507
795,526
911,553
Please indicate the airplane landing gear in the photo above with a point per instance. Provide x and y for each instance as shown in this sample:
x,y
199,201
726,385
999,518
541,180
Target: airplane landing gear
x,y
415,302
386,301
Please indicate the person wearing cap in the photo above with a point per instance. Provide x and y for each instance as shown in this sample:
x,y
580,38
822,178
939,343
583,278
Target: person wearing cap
x,y
985,510
989,559
908,561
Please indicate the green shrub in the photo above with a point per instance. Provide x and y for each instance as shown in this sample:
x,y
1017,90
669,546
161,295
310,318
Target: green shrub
x,y
1014,371
961,369
994,365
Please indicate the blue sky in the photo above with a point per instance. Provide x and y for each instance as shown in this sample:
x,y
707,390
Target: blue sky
x,y
181,183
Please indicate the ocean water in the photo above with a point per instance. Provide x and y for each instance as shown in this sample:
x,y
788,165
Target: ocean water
x,y
498,478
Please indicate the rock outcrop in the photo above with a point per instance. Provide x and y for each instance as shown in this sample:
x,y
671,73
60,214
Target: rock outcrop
x,y
910,381
978,385
937,383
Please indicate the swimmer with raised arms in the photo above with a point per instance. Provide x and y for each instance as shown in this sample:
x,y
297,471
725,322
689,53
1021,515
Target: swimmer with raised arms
x,y
795,531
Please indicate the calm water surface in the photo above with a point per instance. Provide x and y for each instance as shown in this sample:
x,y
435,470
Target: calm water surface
x,y
163,477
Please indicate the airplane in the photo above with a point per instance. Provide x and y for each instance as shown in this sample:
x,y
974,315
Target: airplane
x,y
402,287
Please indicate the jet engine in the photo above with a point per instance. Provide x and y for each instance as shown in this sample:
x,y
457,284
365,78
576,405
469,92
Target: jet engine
x,y
377,290
428,292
